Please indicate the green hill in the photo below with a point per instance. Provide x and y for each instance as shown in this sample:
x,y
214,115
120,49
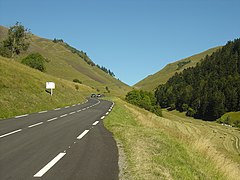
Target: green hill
x,y
68,65
22,90
161,77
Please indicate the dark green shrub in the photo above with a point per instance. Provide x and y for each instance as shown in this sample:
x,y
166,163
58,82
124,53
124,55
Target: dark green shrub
x,y
77,81
35,61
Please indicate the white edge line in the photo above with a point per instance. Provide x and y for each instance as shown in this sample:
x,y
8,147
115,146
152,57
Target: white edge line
x,y
7,134
52,119
107,113
102,117
83,134
21,116
63,115
42,112
95,123
49,165
57,109
67,107
35,124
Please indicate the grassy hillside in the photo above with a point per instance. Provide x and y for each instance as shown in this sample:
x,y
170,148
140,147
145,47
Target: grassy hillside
x,y
22,90
161,77
67,65
173,147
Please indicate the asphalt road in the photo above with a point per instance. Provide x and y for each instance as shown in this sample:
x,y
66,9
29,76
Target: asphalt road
x,y
70,143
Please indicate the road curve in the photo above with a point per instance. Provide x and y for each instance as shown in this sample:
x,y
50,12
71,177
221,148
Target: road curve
x,y
68,143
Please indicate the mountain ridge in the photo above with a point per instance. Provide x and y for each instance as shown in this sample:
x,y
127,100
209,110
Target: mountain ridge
x,y
68,65
152,81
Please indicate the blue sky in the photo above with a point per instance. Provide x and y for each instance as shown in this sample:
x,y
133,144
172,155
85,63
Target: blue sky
x,y
133,38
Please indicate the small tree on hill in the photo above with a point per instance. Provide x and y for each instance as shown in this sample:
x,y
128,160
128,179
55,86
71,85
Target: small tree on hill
x,y
16,41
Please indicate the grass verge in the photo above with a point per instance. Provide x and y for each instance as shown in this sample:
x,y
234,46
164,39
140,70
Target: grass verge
x,y
169,148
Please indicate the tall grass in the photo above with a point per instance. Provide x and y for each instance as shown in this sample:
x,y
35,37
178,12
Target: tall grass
x,y
168,148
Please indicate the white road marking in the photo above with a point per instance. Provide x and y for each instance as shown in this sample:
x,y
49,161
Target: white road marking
x,y
7,134
95,123
67,107
57,109
74,105
72,112
102,117
21,116
42,112
84,109
83,134
109,110
52,119
33,125
63,115
107,113
49,165
79,110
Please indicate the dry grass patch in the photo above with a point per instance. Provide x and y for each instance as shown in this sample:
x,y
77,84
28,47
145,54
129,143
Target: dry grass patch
x,y
162,148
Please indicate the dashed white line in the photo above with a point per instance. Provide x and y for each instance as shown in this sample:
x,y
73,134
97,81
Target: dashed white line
x,y
63,115
95,123
79,110
7,134
57,109
84,109
67,107
42,112
33,125
21,116
83,134
107,113
102,117
49,165
74,105
52,119
72,112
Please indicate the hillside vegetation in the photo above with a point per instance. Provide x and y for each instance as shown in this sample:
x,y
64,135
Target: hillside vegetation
x,y
208,90
151,82
173,147
65,64
22,90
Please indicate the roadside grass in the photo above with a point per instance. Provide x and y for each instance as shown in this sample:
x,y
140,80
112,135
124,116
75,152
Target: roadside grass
x,y
22,90
172,147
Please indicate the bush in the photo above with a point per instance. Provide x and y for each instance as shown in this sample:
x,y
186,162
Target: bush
x,y
145,100
77,81
35,61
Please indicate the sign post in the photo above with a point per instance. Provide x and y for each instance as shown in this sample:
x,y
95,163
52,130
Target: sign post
x,y
50,85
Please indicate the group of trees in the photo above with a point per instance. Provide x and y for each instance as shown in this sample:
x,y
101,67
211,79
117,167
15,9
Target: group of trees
x,y
208,90
84,56
108,71
16,41
144,99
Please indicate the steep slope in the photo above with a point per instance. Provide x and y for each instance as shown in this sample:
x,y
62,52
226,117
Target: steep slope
x,y
67,65
22,90
161,77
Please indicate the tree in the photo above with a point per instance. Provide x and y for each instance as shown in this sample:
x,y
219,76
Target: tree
x,y
16,41
35,61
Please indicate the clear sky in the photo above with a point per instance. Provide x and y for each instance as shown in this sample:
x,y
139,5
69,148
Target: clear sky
x,y
133,38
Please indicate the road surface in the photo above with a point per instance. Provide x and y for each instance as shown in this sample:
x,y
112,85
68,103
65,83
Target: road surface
x,y
67,143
